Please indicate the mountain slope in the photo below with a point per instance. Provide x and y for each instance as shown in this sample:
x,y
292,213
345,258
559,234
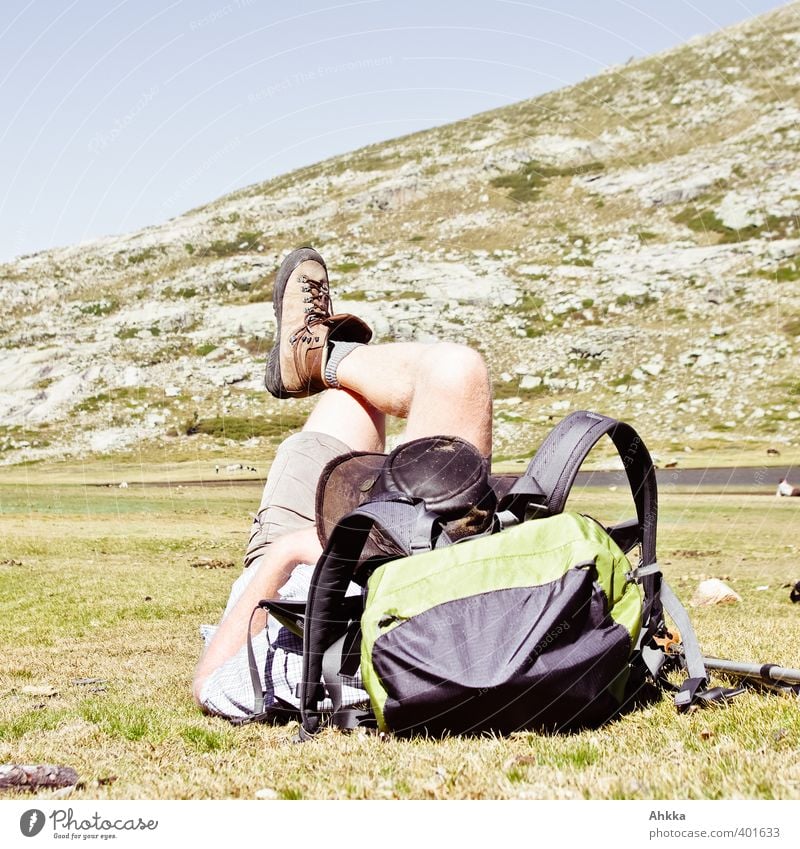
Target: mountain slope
x,y
630,244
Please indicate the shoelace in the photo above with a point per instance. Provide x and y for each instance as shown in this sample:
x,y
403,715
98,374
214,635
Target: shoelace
x,y
318,302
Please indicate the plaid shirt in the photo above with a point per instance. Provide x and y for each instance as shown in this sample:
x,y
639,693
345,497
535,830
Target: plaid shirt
x,y
228,691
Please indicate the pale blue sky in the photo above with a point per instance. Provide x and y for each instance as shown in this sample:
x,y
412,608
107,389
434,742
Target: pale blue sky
x,y
123,113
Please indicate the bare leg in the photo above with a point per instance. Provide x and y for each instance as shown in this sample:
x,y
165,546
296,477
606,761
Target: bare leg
x,y
351,419
440,388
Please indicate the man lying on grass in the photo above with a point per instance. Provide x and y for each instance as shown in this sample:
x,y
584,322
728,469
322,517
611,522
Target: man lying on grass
x,y
438,388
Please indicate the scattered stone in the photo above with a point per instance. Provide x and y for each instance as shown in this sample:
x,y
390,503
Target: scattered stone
x,y
714,591
530,381
654,367
46,690
36,776
267,793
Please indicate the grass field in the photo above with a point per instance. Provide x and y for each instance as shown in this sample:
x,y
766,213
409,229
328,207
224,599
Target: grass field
x,y
97,583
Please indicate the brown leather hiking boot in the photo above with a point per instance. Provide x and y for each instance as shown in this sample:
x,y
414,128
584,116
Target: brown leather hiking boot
x,y
305,326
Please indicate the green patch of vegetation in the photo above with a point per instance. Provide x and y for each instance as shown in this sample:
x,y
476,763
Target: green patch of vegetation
x,y
126,721
529,302
99,308
189,248
145,255
581,261
230,219
587,363
527,183
290,793
244,242
646,235
132,395
346,267
205,349
644,300
785,273
185,292
155,330
578,755
205,739
240,428
127,332
416,239
705,221
790,387
30,722
587,303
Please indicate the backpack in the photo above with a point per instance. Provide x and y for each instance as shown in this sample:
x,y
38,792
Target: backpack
x,y
539,621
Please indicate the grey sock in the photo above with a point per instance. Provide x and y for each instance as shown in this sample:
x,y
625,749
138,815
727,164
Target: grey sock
x,y
338,351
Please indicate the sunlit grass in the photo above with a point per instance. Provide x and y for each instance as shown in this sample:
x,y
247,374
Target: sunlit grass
x,y
98,639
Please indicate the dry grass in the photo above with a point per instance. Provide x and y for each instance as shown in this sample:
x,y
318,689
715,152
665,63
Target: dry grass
x,y
101,587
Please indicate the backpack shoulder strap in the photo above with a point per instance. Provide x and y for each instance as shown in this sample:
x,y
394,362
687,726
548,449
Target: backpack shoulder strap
x,y
410,527
544,487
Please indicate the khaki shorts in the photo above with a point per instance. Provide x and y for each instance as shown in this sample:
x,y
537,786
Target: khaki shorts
x,y
289,495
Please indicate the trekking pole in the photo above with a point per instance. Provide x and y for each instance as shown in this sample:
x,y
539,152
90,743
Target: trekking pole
x,y
766,673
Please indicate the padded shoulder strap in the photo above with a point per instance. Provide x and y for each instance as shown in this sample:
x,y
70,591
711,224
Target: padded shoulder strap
x,y
545,486
409,526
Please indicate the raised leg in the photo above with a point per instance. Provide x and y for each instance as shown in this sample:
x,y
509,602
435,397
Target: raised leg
x,y
440,388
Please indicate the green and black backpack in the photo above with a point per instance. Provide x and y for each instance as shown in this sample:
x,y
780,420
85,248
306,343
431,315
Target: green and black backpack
x,y
488,608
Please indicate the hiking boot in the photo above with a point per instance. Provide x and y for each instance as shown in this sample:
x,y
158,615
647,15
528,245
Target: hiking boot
x,y
305,327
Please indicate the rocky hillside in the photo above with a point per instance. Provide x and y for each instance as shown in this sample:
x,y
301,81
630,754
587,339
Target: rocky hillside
x,y
630,244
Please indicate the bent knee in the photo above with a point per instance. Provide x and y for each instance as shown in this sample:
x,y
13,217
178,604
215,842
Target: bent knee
x,y
454,364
